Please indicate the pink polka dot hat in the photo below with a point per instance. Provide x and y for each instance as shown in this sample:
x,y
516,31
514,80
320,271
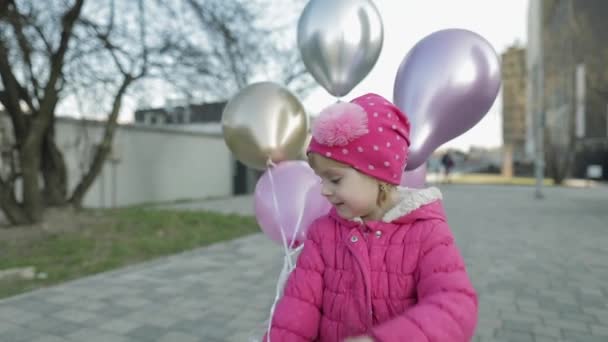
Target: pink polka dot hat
x,y
369,133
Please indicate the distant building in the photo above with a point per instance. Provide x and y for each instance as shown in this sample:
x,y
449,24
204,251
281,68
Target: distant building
x,y
201,118
567,84
178,115
513,107
484,160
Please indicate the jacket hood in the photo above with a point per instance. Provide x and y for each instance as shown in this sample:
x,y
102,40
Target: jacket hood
x,y
416,204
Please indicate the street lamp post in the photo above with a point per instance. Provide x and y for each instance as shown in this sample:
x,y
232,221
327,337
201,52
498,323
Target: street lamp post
x,y
539,161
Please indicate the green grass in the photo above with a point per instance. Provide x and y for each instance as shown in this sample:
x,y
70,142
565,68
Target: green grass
x,y
479,178
108,239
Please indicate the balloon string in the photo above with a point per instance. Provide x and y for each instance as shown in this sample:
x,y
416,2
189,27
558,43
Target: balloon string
x,y
298,226
275,203
288,264
285,271
297,229
290,252
270,163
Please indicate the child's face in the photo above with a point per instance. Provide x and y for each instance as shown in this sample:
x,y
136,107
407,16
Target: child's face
x,y
354,194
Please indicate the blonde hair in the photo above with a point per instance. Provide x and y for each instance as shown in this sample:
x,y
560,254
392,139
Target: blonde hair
x,y
384,192
384,189
313,156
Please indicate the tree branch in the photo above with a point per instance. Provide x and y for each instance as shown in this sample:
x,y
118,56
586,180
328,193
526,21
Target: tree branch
x,y
110,26
104,37
26,50
4,7
11,208
45,41
105,146
12,93
50,97
142,37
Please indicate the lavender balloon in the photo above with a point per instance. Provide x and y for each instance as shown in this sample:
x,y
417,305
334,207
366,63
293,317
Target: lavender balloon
x,y
445,85
287,200
415,178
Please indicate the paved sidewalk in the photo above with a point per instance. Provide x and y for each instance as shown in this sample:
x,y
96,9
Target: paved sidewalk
x,y
541,268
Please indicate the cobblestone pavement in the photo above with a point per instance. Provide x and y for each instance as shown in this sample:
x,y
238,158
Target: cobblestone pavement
x,y
541,269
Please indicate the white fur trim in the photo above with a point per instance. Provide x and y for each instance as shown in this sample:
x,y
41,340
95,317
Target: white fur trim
x,y
410,200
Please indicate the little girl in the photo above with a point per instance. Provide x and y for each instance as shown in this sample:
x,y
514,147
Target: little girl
x,y
383,264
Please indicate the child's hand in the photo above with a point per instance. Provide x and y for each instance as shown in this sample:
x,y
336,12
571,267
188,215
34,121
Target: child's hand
x,y
359,339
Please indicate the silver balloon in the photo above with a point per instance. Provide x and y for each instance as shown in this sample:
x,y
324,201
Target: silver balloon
x,y
340,42
265,121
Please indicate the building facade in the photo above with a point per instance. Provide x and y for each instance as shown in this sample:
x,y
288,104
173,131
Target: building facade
x,y
174,114
199,118
513,68
568,86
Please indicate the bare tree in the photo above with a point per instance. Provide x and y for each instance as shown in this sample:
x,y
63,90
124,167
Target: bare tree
x,y
98,50
32,77
221,46
130,63
38,69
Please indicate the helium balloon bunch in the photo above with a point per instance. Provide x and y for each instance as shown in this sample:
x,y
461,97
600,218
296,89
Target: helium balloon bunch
x,y
445,85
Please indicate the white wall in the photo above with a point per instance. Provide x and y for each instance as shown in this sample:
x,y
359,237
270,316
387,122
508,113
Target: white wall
x,y
148,164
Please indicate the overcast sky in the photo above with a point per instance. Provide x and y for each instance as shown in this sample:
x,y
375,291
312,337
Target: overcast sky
x,y
501,22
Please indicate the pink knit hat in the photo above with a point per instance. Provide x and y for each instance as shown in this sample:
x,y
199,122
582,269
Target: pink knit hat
x,y
369,133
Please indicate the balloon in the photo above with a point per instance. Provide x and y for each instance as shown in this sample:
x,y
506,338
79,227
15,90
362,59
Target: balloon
x,y
303,154
445,85
297,190
415,178
340,42
264,121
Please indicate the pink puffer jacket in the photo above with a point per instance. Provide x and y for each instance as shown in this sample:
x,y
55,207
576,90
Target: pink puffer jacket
x,y
399,279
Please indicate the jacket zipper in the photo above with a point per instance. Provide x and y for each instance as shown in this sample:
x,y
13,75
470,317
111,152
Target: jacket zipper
x,y
367,280
366,272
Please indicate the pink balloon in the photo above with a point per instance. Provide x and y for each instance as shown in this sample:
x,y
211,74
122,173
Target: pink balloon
x,y
297,190
415,178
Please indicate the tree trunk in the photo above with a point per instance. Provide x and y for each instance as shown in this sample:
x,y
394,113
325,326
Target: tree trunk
x,y
12,210
87,180
30,142
30,169
3,8
558,176
558,163
54,171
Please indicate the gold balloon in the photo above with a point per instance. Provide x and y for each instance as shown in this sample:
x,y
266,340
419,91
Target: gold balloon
x,y
303,155
265,121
